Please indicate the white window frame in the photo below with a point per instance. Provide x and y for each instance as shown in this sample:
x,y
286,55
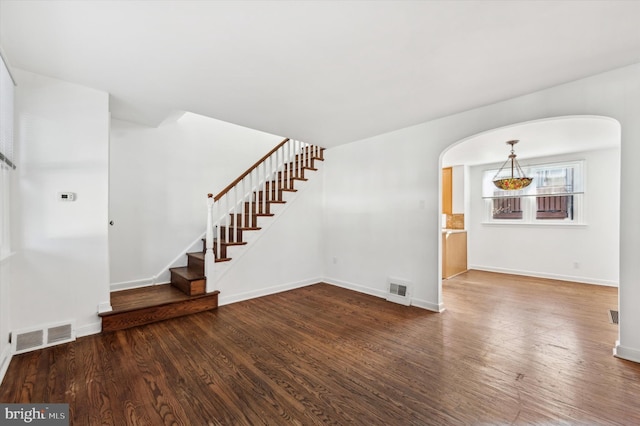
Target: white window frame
x,y
528,196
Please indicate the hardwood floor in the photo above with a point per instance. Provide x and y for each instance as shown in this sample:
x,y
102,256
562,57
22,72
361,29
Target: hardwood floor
x,y
508,350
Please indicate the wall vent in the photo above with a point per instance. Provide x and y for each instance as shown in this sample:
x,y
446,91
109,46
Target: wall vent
x,y
59,334
28,340
399,291
37,338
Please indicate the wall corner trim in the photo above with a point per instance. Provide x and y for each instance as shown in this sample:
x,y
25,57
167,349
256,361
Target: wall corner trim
x,y
434,307
629,354
89,329
104,307
5,360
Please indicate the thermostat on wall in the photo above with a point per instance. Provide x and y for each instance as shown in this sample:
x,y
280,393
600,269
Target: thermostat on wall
x,y
66,196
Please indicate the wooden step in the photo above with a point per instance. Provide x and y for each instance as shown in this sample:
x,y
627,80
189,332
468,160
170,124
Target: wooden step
x,y
273,197
281,177
248,222
215,248
190,281
231,233
260,207
223,249
195,261
146,305
275,193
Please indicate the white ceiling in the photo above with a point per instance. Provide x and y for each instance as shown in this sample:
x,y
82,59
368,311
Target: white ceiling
x,y
327,72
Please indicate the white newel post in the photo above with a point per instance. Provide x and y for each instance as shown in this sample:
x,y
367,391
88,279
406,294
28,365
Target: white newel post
x,y
209,259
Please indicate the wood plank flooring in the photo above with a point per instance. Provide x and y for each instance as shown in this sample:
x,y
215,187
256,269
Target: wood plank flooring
x,y
508,350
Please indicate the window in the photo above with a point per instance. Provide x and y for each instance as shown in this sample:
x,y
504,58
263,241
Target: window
x,y
554,196
554,179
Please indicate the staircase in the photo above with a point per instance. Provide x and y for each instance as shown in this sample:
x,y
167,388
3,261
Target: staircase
x,y
241,213
232,214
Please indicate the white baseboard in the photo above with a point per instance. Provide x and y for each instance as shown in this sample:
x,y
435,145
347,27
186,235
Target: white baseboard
x,y
89,329
127,285
434,307
577,279
626,353
5,360
356,287
383,294
226,300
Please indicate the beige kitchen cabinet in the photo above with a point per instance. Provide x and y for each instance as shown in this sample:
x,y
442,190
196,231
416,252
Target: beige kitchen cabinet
x,y
454,253
447,190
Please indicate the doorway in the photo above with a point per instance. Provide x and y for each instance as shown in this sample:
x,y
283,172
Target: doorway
x,y
584,250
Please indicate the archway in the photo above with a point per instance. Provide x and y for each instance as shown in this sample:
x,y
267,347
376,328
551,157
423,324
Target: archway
x,y
587,249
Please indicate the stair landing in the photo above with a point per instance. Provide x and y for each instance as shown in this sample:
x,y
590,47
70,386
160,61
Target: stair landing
x,y
146,305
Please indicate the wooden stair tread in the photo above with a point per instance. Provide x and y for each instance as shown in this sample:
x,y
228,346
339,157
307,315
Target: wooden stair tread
x,y
188,273
234,243
144,297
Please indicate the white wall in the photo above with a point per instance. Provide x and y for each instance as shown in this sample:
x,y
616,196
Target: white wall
x,y
375,223
550,251
381,214
6,174
60,269
159,180
5,305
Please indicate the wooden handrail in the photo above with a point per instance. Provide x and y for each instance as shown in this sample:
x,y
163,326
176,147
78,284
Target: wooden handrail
x,y
249,170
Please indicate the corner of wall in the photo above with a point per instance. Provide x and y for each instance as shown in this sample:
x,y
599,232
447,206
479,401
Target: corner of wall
x,y
89,329
623,352
5,360
429,306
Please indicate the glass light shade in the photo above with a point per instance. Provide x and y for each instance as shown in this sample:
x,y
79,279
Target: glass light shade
x,y
513,183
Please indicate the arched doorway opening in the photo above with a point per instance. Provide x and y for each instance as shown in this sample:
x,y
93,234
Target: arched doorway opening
x,y
583,247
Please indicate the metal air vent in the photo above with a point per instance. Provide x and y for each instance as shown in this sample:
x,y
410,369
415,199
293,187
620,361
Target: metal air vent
x,y
29,340
399,291
613,316
41,337
59,334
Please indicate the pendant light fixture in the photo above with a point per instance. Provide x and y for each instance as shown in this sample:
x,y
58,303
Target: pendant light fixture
x,y
517,179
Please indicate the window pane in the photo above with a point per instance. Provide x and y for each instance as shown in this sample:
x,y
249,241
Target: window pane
x,y
507,208
554,180
555,207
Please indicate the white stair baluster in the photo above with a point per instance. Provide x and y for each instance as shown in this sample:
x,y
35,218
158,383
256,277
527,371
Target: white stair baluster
x,y
279,174
284,166
209,259
298,159
263,186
